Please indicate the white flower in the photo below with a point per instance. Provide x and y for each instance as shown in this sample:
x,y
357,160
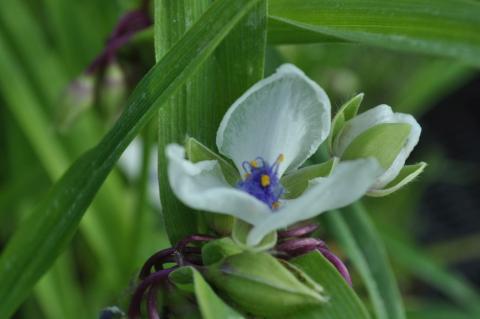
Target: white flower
x,y
388,136
269,132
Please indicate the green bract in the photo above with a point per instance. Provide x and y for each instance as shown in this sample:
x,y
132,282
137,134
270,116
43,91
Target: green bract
x,y
263,286
211,306
380,133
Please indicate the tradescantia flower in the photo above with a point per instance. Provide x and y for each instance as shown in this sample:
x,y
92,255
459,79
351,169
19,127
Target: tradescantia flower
x,y
379,132
268,133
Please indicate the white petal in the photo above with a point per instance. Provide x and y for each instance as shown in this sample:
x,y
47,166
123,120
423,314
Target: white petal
x,y
402,156
202,186
349,181
286,113
359,124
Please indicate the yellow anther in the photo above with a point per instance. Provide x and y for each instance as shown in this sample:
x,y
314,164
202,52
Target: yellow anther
x,y
265,180
254,163
246,175
280,158
275,205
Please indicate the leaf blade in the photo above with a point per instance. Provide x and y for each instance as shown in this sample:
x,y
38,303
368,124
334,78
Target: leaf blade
x,y
351,226
343,303
199,106
445,28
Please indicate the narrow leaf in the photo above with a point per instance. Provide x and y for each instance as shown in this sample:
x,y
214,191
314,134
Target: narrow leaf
x,y
353,229
441,27
198,107
342,303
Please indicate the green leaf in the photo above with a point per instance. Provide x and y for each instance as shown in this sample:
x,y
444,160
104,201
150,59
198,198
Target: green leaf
x,y
346,112
407,174
297,182
280,32
198,107
46,232
353,229
430,83
211,306
343,302
383,141
440,27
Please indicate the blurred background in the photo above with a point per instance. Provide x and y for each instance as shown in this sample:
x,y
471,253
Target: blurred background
x,y
51,112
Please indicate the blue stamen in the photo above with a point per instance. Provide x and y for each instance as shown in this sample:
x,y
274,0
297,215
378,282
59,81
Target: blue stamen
x,y
262,181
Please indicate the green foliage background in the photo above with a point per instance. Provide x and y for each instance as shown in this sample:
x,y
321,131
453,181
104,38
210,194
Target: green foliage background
x,y
409,54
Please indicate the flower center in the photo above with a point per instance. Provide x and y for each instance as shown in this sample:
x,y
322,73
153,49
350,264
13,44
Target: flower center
x,y
261,181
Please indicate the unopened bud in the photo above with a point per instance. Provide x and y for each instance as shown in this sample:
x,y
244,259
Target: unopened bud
x,y
382,134
263,286
113,90
76,99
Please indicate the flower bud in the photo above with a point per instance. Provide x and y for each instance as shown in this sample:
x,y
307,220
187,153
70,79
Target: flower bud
x,y
76,99
259,284
380,133
113,90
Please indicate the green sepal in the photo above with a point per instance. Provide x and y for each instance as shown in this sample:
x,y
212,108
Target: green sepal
x,y
211,306
297,182
196,152
406,175
240,233
261,285
217,250
346,112
382,141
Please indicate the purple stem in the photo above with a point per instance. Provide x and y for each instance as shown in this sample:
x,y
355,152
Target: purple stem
x,y
129,24
298,231
152,303
157,258
181,245
134,310
337,262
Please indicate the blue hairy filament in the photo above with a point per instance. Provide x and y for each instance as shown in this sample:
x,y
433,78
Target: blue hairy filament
x,y
261,181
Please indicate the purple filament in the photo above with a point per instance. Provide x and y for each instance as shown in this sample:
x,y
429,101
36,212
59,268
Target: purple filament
x,y
130,24
252,184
